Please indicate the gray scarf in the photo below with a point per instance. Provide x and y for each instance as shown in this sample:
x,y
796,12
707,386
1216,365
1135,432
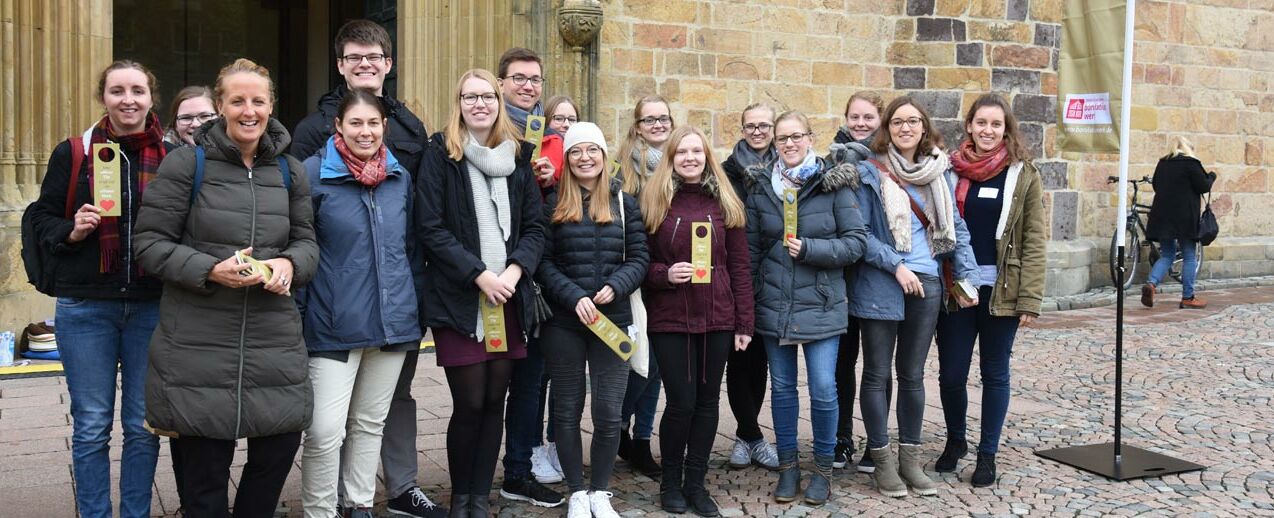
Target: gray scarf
x,y
489,170
747,157
652,157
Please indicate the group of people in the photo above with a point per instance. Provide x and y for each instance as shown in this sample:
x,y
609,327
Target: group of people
x,y
275,286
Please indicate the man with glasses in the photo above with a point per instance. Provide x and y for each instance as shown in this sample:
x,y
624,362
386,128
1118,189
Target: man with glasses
x,y
364,57
521,75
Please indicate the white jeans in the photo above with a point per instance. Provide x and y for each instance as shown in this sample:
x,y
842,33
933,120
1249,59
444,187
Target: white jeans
x,y
350,398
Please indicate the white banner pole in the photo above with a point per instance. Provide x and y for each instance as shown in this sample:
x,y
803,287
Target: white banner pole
x,y
1125,120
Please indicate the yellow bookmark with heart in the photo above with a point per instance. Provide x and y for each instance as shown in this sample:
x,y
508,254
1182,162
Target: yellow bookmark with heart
x,y
701,252
492,325
612,336
789,214
106,178
535,134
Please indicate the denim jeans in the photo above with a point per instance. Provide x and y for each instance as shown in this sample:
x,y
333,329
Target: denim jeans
x,y
957,332
1189,265
890,345
641,399
523,421
95,337
820,367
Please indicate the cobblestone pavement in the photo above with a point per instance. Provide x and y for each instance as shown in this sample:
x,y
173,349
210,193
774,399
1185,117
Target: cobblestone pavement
x,y
1198,386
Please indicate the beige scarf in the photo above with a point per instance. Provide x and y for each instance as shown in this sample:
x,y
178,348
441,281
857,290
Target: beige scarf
x,y
929,175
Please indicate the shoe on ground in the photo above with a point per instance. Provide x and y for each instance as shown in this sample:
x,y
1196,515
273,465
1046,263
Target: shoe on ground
x,y
1148,295
625,445
358,512
886,473
865,464
550,453
542,467
599,504
844,451
951,455
528,490
1193,303
579,507
762,453
701,503
642,460
740,456
911,469
673,500
414,502
984,473
789,477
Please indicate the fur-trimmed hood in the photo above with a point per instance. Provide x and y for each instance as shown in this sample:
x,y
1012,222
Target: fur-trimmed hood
x,y
832,177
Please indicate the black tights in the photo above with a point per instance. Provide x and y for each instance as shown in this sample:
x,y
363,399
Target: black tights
x,y
691,367
477,423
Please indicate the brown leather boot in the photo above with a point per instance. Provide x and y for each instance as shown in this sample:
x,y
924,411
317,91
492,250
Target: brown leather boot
x,y
1193,303
1148,295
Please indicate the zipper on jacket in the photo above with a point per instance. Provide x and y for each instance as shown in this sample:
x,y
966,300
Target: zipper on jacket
x,y
376,221
128,241
243,319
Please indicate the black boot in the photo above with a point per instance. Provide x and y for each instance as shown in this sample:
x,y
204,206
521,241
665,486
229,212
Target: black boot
x,y
641,459
625,444
984,473
459,506
697,495
951,454
480,506
789,477
671,497
820,488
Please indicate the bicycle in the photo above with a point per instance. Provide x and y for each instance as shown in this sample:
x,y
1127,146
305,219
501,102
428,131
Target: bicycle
x,y
1135,226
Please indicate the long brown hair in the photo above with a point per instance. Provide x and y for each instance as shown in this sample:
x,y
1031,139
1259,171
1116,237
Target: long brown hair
x,y
928,141
456,133
570,203
1012,135
628,173
656,197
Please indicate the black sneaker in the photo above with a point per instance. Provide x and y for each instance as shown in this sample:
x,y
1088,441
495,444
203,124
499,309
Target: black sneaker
x,y
844,450
528,490
413,502
865,464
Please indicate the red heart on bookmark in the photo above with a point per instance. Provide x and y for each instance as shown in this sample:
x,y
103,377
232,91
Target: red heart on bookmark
x,y
701,272
790,236
496,342
107,204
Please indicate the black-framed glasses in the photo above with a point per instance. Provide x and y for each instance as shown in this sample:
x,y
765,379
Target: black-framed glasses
x,y
521,80
757,128
662,120
576,152
795,137
562,118
912,122
355,59
472,99
196,117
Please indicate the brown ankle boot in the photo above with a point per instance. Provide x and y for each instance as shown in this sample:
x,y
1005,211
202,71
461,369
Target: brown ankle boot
x,y
1148,295
1193,303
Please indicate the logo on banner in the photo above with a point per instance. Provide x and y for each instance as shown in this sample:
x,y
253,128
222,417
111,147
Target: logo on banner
x,y
1087,109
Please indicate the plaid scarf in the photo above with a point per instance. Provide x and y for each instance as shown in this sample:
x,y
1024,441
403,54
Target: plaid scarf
x,y
972,165
149,146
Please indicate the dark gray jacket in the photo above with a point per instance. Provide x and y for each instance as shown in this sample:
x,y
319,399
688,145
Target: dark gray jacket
x,y
804,298
227,363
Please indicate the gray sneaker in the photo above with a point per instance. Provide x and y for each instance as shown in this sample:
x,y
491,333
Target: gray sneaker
x,y
741,457
763,454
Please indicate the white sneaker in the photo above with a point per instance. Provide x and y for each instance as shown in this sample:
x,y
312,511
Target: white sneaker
x,y
599,503
579,505
741,457
550,453
542,468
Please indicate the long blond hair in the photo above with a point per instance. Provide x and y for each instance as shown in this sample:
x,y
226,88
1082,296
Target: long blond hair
x,y
656,197
570,204
456,133
632,178
1181,146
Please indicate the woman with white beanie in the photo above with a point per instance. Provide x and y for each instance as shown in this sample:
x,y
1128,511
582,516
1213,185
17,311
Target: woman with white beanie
x,y
594,257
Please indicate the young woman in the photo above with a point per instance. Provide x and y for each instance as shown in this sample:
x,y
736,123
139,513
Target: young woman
x,y
852,145
640,152
359,321
192,107
693,325
999,195
594,257
228,359
561,112
1174,220
905,195
747,373
107,307
801,298
478,221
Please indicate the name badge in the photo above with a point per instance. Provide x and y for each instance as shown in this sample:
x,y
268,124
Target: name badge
x,y
612,336
789,213
492,325
106,178
701,252
535,134
988,192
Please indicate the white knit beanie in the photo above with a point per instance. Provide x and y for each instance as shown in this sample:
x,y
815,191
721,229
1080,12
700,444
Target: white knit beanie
x,y
584,133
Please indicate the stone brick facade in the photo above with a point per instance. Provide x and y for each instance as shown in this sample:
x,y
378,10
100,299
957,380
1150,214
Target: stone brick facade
x,y
1203,68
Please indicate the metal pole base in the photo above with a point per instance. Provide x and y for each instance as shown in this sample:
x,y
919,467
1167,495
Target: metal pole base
x,y
1135,463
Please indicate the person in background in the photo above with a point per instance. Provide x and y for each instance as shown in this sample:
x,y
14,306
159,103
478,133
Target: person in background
x,y
107,304
1179,181
999,195
747,370
191,108
561,112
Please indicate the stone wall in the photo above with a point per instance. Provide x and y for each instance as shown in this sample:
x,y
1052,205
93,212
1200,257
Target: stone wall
x,y
1204,69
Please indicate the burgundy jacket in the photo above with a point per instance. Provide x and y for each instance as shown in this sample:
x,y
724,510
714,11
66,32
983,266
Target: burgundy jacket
x,y
726,303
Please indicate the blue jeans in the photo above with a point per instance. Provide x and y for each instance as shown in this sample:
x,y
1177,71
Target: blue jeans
x,y
994,335
1189,265
94,338
641,399
820,367
523,421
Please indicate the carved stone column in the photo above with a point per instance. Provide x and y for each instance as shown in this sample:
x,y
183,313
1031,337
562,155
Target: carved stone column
x,y
579,22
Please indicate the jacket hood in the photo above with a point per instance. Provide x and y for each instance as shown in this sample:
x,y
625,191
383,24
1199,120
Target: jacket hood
x,y
213,138
331,165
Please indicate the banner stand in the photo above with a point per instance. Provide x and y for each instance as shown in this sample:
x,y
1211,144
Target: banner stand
x,y
1113,460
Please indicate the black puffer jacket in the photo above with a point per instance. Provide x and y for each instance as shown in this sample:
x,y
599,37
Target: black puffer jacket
x,y
227,363
581,258
405,136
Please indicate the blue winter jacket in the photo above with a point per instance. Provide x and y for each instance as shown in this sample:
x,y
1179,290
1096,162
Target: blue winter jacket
x,y
873,291
364,294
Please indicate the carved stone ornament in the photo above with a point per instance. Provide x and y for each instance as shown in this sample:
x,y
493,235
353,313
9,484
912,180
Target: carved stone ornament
x,y
579,22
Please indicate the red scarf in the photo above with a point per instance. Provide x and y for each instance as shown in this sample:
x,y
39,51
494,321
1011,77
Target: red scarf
x,y
149,146
972,165
370,173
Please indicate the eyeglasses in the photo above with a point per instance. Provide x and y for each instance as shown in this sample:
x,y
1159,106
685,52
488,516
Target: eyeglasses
x,y
757,128
577,152
356,59
472,99
196,117
562,118
795,137
913,122
662,120
520,80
